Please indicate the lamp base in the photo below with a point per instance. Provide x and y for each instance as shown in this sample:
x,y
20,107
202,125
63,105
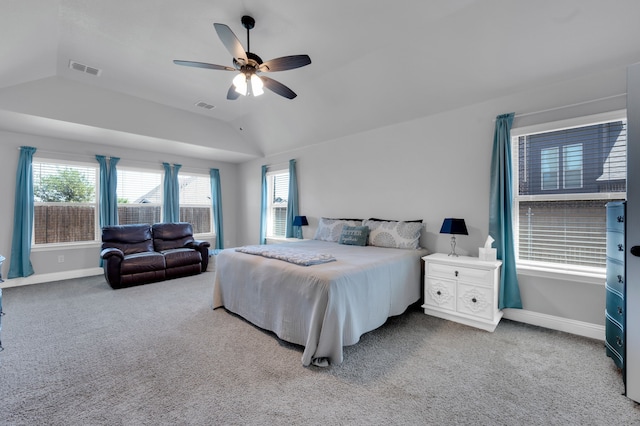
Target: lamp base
x,y
453,247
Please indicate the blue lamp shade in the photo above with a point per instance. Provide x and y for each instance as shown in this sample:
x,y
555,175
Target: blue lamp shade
x,y
454,226
300,221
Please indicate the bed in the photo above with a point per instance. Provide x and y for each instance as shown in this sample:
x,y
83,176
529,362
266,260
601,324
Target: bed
x,y
324,306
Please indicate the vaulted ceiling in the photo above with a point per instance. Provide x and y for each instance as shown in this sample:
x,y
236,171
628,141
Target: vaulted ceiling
x,y
373,64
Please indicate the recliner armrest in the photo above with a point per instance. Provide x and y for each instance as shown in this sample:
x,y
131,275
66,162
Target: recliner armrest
x,y
111,252
198,244
203,248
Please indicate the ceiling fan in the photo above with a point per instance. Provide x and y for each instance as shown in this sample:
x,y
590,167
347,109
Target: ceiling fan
x,y
247,82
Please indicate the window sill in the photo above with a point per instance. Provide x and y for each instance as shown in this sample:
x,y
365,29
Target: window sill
x,y
590,276
66,246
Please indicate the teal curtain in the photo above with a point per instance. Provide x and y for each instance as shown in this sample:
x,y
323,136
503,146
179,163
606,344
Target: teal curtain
x,y
216,199
20,264
108,198
263,208
500,212
171,204
292,199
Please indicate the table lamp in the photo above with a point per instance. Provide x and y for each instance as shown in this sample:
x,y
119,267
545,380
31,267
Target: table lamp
x,y
454,227
300,221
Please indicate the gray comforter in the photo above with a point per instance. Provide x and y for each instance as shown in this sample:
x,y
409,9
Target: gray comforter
x,y
321,307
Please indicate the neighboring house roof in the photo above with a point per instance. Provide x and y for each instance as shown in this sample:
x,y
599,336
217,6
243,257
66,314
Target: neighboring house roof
x,y
615,166
187,190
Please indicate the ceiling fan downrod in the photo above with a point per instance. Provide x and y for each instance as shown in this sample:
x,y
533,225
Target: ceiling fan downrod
x,y
248,22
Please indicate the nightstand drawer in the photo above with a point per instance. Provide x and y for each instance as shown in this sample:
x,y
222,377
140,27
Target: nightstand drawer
x,y
440,293
475,301
476,276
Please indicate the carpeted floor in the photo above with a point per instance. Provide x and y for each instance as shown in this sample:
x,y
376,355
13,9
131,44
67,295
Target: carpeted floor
x,y
78,353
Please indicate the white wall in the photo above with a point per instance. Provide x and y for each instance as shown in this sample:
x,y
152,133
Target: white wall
x,y
45,262
437,167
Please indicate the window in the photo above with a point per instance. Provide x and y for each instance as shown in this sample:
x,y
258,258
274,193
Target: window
x,y
195,202
139,196
567,172
65,206
277,195
549,168
66,201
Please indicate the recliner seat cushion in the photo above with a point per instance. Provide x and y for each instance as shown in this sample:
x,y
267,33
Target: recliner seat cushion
x,y
181,257
142,262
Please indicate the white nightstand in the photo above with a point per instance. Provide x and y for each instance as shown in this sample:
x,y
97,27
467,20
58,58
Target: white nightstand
x,y
462,289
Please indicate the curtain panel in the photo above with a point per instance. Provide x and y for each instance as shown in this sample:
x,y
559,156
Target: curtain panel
x,y
171,201
108,197
500,212
263,207
216,199
20,263
292,199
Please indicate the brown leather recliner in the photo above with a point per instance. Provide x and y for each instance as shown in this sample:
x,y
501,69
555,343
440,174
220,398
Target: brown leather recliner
x,y
139,254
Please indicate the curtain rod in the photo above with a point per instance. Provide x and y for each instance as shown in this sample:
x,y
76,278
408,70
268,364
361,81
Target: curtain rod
x,y
81,157
525,114
286,163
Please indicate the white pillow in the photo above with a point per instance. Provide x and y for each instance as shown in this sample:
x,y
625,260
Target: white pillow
x,y
405,235
331,229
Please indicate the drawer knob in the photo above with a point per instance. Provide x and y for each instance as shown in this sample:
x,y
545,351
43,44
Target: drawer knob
x,y
618,341
620,219
456,273
439,293
620,279
620,247
474,300
620,310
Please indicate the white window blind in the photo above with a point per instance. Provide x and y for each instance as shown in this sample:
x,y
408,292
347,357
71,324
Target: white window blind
x,y
139,196
195,202
64,202
278,193
565,178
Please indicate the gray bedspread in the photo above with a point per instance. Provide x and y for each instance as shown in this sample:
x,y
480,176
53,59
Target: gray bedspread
x,y
321,307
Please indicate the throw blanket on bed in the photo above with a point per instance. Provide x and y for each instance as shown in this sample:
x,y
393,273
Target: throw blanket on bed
x,y
295,256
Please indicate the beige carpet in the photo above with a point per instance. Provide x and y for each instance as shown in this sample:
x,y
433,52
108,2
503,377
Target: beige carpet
x,y
79,353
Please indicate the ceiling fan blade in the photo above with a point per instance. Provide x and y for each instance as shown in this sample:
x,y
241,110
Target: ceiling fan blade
x,y
231,42
285,63
278,87
232,95
203,65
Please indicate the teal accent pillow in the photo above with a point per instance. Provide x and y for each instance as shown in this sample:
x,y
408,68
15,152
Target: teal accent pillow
x,y
354,235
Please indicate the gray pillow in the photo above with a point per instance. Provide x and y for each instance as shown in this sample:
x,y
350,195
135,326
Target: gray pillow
x,y
404,235
331,229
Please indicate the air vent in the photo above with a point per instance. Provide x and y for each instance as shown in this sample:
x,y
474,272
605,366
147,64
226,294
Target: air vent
x,y
84,68
204,105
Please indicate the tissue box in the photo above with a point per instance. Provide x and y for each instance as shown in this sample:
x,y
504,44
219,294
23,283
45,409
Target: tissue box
x,y
488,254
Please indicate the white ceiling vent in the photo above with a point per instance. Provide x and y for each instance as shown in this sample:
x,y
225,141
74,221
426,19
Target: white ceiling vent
x,y
204,105
84,68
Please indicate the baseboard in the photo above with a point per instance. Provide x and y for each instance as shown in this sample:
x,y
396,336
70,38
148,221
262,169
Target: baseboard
x,y
581,328
54,276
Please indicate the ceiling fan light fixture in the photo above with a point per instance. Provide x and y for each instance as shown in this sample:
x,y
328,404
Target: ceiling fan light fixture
x,y
240,82
256,85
